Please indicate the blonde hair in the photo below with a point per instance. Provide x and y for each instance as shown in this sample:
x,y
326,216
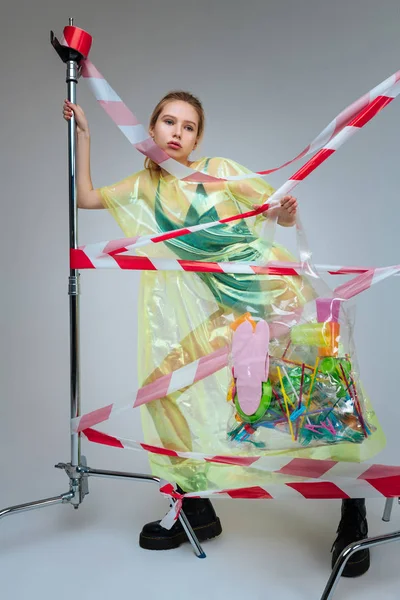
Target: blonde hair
x,y
170,97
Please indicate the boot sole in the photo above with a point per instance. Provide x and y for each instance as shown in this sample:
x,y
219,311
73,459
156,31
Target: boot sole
x,y
203,533
357,567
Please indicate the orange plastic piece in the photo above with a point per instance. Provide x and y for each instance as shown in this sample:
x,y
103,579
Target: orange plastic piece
x,y
334,335
242,319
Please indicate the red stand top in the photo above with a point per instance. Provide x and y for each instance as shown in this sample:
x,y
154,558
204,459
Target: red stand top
x,y
78,39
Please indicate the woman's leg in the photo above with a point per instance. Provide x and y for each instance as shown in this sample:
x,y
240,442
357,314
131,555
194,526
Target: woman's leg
x,y
201,516
353,527
171,425
174,433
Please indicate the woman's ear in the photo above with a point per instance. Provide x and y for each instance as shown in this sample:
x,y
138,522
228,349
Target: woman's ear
x,y
151,132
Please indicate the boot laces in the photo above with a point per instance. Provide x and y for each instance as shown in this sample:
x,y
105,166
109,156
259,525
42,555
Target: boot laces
x,y
353,526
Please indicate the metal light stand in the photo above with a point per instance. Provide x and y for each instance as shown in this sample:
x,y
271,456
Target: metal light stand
x,y
361,545
77,470
348,552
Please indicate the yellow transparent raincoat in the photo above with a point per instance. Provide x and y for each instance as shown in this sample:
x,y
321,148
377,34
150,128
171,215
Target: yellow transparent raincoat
x,y
184,316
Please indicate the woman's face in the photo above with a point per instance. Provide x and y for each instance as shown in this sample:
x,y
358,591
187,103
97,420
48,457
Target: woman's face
x,y
176,130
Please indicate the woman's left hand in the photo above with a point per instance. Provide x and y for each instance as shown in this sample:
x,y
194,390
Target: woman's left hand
x,y
285,213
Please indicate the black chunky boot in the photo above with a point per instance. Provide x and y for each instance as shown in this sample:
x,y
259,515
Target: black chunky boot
x,y
201,516
353,527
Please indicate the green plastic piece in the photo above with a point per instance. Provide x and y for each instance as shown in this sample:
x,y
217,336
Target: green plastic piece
x,y
265,401
331,366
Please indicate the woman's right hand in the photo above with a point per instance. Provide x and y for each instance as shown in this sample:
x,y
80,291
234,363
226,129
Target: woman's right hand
x,y
69,109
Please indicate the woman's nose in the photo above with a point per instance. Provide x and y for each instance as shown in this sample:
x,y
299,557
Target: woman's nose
x,y
177,131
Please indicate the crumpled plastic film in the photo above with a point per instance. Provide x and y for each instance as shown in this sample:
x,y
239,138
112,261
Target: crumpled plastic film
x,y
184,316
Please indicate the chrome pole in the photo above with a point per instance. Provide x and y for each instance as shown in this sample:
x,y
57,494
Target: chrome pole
x,y
73,282
77,470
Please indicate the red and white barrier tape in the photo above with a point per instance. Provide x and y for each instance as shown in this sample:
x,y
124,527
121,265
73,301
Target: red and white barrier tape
x,y
82,258
329,470
174,381
323,154
350,120
379,479
311,489
129,124
323,479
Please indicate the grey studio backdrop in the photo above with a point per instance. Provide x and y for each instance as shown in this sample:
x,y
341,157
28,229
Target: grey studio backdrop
x,y
271,75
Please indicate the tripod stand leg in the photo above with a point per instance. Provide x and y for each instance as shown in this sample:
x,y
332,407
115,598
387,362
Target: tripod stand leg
x,y
198,550
192,537
13,510
351,549
388,509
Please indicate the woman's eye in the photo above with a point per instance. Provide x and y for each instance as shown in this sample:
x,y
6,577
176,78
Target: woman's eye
x,y
168,121
190,128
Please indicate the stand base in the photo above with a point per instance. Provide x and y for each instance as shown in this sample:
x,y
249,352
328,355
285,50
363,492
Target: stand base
x,y
354,547
79,488
62,499
349,551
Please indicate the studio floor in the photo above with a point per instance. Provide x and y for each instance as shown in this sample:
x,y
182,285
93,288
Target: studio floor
x,y
268,550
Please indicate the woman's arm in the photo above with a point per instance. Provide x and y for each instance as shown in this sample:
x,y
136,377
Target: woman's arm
x,y
87,197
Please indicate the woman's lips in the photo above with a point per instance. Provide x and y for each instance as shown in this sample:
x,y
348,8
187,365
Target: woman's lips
x,y
174,145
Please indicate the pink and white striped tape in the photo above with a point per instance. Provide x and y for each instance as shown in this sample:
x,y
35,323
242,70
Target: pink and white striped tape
x,y
377,482
321,156
174,381
352,119
130,126
382,480
283,465
205,366
89,257
323,479
339,130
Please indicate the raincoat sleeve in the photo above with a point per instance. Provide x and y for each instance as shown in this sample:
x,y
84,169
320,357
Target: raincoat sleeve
x,y
246,193
129,202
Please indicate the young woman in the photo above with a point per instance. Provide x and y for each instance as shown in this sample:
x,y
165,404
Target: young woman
x,y
184,316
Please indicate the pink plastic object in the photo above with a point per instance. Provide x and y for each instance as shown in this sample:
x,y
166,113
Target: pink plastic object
x,y
250,363
328,309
